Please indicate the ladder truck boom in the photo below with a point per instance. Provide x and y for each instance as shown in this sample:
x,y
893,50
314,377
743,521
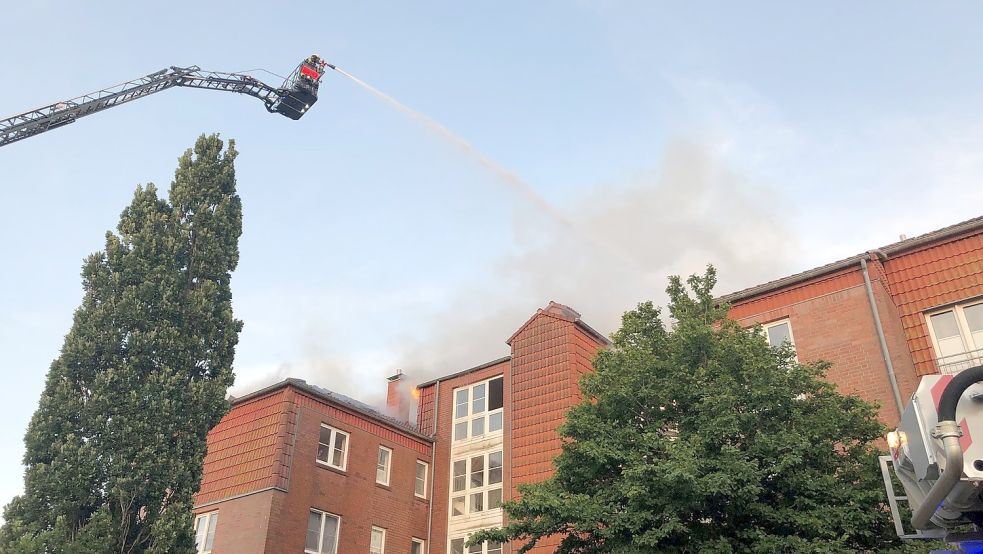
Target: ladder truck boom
x,y
292,99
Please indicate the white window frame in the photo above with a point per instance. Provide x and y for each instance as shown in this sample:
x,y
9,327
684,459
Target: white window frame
x,y
469,418
382,547
971,350
422,543
416,478
207,517
332,445
388,468
484,489
466,550
770,324
791,334
320,538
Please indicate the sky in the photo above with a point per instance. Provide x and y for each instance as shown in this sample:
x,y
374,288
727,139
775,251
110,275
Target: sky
x,y
651,138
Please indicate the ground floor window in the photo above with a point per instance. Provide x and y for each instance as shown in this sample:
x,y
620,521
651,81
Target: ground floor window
x,y
205,532
322,533
378,544
457,547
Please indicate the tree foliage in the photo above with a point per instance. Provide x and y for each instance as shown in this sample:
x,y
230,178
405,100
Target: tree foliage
x,y
114,451
702,438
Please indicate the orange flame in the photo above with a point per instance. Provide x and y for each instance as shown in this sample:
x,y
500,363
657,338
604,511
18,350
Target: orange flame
x,y
415,392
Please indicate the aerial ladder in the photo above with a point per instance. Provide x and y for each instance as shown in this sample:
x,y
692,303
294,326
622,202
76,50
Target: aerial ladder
x,y
936,454
292,99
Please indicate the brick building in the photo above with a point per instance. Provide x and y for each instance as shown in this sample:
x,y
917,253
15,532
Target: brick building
x,y
495,424
296,468
883,318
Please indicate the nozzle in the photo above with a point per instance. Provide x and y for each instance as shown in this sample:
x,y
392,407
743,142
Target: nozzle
x,y
331,66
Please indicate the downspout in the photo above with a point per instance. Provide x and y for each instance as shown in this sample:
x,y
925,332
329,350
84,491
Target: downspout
x,y
949,431
880,337
433,464
511,444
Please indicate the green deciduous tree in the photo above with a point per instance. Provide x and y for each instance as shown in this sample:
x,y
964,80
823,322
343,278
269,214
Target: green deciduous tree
x,y
699,437
115,448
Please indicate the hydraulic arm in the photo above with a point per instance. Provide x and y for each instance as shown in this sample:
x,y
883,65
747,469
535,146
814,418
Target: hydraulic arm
x,y
292,99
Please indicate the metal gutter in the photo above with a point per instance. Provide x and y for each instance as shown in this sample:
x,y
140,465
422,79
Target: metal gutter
x,y
433,466
465,371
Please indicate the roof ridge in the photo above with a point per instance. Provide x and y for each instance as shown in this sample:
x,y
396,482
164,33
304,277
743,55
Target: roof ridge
x,y
341,399
925,239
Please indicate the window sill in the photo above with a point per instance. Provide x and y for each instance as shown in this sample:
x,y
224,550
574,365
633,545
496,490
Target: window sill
x,y
383,486
474,440
483,513
323,465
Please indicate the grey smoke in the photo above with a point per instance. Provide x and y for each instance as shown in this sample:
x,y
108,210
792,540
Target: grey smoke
x,y
623,240
631,237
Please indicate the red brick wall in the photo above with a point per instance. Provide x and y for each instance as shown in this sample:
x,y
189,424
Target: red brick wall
x,y
243,523
271,441
442,446
931,277
831,320
353,494
425,407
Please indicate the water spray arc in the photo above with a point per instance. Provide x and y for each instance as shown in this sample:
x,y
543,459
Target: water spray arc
x,y
519,186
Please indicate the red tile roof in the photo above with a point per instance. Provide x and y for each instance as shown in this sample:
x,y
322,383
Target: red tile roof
x,y
933,277
243,448
968,227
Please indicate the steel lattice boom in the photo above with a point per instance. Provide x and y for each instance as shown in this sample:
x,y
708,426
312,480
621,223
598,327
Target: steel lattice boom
x,y
297,94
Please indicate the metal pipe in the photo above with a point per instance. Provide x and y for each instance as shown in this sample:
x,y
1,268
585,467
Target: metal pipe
x,y
880,337
433,463
949,432
507,493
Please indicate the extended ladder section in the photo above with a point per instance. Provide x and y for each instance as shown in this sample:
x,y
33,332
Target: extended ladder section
x,y
297,94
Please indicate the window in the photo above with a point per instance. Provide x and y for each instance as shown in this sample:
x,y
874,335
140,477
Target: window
x,y
378,544
416,547
205,532
332,448
476,484
420,488
322,533
478,409
382,466
778,333
957,334
457,547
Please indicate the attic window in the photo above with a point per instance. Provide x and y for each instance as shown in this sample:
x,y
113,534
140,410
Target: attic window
x,y
478,409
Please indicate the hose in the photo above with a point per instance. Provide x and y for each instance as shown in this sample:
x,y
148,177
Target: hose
x,y
955,389
948,430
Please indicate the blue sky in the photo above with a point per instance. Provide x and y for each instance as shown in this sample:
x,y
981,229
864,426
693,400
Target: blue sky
x,y
765,138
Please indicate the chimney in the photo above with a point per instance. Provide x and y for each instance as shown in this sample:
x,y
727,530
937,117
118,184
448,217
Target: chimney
x,y
397,401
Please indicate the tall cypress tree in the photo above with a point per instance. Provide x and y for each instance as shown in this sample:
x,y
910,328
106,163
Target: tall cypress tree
x,y
114,451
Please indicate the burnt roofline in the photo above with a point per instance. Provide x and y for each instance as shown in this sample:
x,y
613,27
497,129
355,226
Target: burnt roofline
x,y
338,400
952,231
465,371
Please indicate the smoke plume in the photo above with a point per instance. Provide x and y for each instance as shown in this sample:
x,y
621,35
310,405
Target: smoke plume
x,y
627,239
